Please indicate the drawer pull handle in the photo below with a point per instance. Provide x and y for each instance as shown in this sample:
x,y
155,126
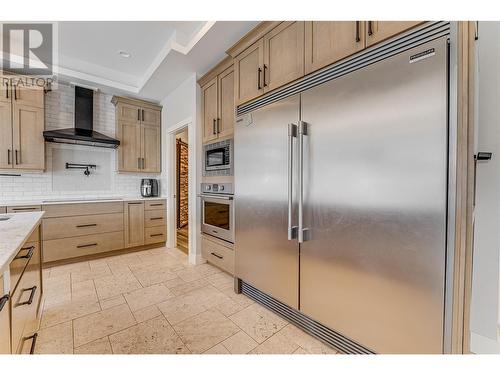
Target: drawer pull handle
x,y
156,204
3,301
156,235
32,295
25,209
217,255
86,225
33,342
28,255
134,202
156,218
87,245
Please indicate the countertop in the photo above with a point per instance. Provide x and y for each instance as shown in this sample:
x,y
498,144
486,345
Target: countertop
x,y
14,232
47,201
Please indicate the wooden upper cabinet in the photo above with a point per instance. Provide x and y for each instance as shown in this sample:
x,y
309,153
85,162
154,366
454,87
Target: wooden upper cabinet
x,y
150,117
283,55
225,85
210,116
28,143
377,31
138,128
129,134
248,71
150,148
329,41
28,95
128,112
6,151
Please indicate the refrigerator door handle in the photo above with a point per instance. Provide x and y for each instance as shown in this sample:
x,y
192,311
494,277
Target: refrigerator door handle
x,y
302,131
292,133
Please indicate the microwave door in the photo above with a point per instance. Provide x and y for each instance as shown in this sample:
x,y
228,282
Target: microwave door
x,y
215,158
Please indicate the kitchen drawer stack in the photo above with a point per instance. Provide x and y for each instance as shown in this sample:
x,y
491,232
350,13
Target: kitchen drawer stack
x,y
155,223
75,230
219,253
26,295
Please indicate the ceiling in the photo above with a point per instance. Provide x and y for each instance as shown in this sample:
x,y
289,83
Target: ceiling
x,y
162,54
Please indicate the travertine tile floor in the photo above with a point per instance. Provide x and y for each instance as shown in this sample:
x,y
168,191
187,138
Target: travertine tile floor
x,y
153,301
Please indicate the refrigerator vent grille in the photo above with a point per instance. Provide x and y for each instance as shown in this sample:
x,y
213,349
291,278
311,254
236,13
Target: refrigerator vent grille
x,y
330,337
426,33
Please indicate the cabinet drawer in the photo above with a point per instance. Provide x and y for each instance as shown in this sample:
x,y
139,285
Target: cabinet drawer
x,y
218,255
25,302
157,204
66,248
76,209
4,320
14,209
154,218
155,235
54,228
27,252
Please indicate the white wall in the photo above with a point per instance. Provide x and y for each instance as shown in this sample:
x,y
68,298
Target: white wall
x,y
59,114
181,108
486,262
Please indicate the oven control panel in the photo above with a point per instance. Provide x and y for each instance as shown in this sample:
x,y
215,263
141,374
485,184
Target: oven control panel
x,y
217,188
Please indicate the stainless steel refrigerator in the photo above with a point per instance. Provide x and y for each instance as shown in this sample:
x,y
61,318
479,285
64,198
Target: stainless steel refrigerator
x,y
340,201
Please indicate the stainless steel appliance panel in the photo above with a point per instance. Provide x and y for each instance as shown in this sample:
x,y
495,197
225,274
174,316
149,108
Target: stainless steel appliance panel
x,y
218,216
264,257
372,266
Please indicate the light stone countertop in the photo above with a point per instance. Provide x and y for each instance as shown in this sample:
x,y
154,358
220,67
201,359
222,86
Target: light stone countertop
x,y
14,232
75,200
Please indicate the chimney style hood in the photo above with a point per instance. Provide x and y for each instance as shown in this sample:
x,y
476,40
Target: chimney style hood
x,y
83,132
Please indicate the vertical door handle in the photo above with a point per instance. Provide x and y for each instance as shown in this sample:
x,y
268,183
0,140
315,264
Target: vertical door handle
x,y
7,90
143,115
33,339
138,163
214,126
358,38
370,28
259,72
302,131
15,91
143,164
292,133
16,157
8,156
218,125
138,115
264,76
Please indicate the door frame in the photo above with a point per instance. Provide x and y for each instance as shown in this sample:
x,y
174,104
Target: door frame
x,y
171,188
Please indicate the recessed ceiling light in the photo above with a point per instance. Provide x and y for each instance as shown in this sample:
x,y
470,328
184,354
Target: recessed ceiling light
x,y
124,54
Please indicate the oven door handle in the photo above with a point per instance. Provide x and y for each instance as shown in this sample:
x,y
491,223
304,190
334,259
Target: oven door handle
x,y
225,197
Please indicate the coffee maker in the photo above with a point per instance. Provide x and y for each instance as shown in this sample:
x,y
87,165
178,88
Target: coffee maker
x,y
149,187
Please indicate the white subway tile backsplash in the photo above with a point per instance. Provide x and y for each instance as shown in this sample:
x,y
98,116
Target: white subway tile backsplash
x,y
59,105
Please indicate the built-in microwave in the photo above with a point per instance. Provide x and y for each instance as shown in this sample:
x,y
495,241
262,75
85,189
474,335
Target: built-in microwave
x,y
218,156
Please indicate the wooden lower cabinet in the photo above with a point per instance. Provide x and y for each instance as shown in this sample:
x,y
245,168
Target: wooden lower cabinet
x,y
4,319
74,226
134,223
218,254
73,247
25,301
32,208
329,41
377,31
155,235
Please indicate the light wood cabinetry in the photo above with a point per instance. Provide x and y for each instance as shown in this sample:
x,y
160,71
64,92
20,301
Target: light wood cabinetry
x,y
217,88
4,319
22,146
26,296
74,226
138,128
3,210
283,55
218,253
248,69
155,222
329,41
377,31
134,223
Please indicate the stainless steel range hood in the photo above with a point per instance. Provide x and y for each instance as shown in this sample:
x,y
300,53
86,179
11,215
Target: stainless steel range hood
x,y
83,132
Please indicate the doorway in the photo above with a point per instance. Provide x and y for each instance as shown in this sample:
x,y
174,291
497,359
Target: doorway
x,y
182,189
